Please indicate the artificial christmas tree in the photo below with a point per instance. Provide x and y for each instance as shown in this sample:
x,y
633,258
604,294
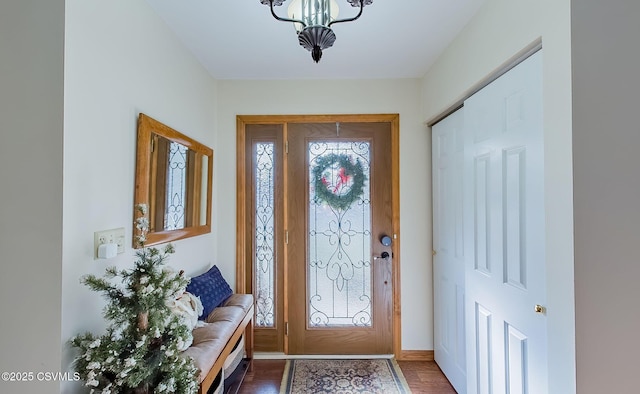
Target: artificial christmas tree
x,y
139,353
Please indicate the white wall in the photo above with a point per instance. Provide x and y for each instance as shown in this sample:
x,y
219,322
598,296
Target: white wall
x,y
344,97
31,126
120,59
499,31
606,139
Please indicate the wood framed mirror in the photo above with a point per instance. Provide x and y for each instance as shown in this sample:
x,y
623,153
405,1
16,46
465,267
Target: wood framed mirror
x,y
173,178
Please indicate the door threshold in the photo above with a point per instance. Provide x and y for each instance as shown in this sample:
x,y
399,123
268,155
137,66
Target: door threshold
x,y
282,356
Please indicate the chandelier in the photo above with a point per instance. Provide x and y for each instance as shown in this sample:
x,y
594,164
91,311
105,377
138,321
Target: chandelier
x,y
312,20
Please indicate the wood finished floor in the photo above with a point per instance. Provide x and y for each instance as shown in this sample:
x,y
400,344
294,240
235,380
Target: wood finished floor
x,y
422,377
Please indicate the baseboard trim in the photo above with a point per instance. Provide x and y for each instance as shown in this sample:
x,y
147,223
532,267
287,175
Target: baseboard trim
x,y
416,355
405,355
282,356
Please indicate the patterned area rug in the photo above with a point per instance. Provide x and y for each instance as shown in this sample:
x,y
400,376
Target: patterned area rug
x,y
377,376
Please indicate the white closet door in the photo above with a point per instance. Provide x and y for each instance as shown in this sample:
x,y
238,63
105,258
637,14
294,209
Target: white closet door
x,y
504,239
448,244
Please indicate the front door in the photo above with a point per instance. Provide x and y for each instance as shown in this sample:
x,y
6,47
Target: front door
x,y
339,226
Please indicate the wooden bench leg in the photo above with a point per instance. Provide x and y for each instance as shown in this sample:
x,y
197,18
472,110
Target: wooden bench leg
x,y
248,334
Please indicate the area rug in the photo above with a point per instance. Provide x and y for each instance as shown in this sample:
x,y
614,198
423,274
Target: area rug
x,y
376,376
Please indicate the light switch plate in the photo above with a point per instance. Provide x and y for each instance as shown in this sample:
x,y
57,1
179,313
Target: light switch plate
x,y
115,236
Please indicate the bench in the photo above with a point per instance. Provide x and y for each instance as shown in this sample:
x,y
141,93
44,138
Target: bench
x,y
213,344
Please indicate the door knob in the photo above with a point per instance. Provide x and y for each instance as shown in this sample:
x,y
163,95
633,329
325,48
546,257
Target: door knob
x,y
383,255
539,309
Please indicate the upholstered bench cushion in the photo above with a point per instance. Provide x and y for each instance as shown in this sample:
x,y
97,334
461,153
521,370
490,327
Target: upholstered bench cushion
x,y
210,339
204,354
219,330
243,301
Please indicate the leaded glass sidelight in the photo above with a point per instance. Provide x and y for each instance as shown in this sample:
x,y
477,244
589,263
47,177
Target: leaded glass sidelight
x,y
339,255
176,187
264,258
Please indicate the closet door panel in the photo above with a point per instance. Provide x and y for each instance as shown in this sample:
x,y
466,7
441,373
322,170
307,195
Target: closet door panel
x,y
504,238
448,241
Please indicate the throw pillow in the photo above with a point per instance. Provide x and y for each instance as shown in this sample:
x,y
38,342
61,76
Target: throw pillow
x,y
187,307
212,289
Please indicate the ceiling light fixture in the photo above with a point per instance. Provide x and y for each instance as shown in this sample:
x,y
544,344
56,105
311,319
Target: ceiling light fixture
x,y
313,19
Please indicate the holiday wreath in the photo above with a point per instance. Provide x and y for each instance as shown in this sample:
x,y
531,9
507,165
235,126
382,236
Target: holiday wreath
x,y
337,180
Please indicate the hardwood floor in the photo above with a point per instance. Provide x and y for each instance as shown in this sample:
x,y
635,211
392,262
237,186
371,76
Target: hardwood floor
x,y
264,379
422,377
425,377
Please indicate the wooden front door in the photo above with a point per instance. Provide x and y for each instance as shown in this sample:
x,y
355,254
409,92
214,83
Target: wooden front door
x,y
287,247
338,209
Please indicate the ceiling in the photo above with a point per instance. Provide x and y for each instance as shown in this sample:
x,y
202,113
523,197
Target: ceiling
x,y
239,39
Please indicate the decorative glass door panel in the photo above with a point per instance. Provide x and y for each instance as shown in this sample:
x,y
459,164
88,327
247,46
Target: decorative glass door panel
x,y
338,206
339,234
264,228
264,255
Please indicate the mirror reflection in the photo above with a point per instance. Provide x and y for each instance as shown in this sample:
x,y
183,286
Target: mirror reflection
x,y
173,177
179,176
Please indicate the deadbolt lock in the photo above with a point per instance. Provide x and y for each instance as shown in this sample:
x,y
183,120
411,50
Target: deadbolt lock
x,y
539,309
